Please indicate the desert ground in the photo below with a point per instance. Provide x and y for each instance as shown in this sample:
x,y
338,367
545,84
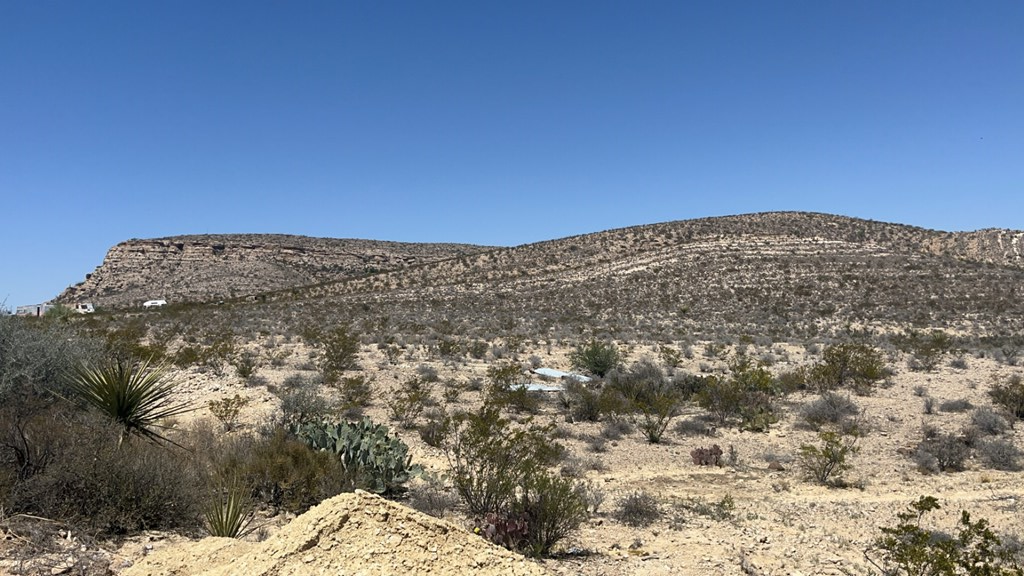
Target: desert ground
x,y
757,513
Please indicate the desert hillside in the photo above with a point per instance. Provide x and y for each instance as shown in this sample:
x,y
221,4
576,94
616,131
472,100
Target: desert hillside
x,y
213,267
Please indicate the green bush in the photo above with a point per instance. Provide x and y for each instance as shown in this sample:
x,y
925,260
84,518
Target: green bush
x,y
748,394
508,389
582,403
1009,395
282,471
825,463
596,357
911,549
501,472
340,349
407,403
646,397
95,485
490,458
858,366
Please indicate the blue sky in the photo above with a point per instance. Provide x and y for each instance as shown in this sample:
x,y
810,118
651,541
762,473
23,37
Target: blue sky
x,y
494,123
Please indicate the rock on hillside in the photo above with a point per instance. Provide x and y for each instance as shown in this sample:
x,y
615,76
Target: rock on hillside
x,y
349,534
216,267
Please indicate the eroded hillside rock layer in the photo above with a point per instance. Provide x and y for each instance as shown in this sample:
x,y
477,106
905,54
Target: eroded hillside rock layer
x,y
217,267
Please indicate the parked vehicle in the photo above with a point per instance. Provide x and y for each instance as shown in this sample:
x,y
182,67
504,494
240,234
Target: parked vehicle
x,y
154,303
84,308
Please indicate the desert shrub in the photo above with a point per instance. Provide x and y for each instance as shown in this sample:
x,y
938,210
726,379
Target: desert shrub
x,y
301,401
478,349
593,495
1009,395
226,410
858,366
508,389
96,484
671,357
245,364
35,360
721,510
553,508
823,464
999,454
432,497
646,397
721,397
704,456
694,427
582,403
408,402
356,391
434,428
988,422
427,373
340,349
911,549
282,471
490,457
748,394
367,451
596,357
500,470
830,409
941,453
959,405
926,351
616,428
928,405
638,508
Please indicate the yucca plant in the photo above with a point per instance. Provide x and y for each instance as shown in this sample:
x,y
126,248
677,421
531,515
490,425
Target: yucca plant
x,y
134,395
229,514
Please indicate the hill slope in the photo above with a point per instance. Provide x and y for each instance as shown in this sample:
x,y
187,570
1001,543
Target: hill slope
x,y
782,273
215,267
760,273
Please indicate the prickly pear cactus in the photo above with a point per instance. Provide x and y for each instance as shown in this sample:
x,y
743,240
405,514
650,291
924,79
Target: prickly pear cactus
x,y
365,448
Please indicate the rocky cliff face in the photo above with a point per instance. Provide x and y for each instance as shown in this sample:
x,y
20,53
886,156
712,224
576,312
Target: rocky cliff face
x,y
218,267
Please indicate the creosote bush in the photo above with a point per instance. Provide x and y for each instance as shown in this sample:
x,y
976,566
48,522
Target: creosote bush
x,y
914,550
645,396
502,472
824,463
857,366
1009,395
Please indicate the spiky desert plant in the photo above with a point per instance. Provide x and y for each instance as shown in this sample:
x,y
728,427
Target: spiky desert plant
x,y
229,513
136,396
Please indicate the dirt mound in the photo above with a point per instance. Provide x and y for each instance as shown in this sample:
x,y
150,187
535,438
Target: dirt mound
x,y
349,534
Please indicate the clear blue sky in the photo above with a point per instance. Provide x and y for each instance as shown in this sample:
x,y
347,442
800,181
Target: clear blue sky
x,y
492,122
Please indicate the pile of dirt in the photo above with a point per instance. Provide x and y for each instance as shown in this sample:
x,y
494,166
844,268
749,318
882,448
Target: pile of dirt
x,y
356,533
